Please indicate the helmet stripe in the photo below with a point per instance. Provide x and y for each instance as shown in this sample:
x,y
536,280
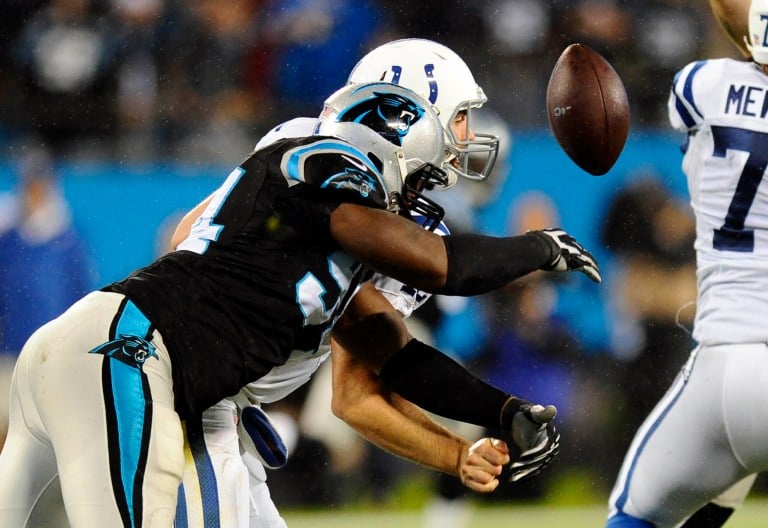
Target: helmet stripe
x,y
429,69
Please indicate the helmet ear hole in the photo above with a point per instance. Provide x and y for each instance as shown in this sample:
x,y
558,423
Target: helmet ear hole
x,y
376,161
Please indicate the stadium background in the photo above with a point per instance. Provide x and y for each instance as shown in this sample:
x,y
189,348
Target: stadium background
x,y
146,104
140,199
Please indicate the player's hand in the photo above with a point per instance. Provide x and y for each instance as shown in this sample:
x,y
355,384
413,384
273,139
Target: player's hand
x,y
482,463
569,255
533,430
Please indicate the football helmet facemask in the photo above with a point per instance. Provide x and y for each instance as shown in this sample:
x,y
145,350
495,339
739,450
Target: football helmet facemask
x,y
399,132
440,76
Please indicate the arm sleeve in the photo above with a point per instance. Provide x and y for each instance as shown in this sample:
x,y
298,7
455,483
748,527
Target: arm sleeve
x,y
478,264
430,379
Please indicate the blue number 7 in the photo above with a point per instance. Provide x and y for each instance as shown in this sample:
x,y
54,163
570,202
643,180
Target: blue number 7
x,y
732,236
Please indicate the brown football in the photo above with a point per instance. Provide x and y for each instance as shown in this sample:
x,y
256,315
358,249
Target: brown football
x,y
587,108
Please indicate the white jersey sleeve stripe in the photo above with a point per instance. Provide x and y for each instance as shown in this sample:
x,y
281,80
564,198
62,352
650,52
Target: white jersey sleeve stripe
x,y
683,112
683,92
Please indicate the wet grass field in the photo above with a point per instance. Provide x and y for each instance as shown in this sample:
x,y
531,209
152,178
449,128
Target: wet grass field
x,y
753,515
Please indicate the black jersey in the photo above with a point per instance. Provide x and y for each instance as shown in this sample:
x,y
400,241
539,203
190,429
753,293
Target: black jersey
x,y
259,275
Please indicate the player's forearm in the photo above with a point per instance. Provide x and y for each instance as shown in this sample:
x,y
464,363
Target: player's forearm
x,y
453,265
385,426
362,401
416,414
479,264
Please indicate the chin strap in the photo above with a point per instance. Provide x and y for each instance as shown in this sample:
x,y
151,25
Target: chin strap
x,y
427,176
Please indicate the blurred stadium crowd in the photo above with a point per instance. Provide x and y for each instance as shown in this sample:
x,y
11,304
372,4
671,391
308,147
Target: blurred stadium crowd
x,y
201,81
167,78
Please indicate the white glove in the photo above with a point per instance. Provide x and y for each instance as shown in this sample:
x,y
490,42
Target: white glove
x,y
569,255
533,430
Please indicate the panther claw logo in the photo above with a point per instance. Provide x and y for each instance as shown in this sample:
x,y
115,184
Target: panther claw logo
x,y
129,349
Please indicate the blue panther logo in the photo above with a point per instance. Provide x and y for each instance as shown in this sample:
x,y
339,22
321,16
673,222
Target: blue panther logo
x,y
353,179
390,115
129,349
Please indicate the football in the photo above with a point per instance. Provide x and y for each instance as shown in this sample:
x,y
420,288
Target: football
x,y
587,108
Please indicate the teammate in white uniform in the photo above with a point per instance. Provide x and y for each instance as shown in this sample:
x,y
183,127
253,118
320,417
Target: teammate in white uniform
x,y
439,75
709,431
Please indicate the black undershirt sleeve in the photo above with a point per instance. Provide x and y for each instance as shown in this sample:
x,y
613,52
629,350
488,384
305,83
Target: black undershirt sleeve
x,y
435,382
308,209
478,264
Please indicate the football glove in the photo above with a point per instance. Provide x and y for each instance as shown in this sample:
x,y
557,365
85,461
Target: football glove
x,y
569,255
533,430
260,438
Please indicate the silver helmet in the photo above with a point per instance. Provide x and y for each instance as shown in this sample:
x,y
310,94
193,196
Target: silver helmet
x,y
396,129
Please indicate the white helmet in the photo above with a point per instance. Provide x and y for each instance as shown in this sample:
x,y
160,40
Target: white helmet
x,y
440,76
397,130
757,43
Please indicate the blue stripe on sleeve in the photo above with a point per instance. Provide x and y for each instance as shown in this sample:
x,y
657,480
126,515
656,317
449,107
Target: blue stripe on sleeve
x,y
688,87
683,112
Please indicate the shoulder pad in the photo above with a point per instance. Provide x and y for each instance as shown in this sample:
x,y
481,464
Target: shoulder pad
x,y
334,164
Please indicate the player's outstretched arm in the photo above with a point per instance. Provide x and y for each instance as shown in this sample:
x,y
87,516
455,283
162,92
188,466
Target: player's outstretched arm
x,y
373,332
398,426
465,264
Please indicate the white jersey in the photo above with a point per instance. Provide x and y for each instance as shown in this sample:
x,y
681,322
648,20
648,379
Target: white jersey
x,y
725,162
284,379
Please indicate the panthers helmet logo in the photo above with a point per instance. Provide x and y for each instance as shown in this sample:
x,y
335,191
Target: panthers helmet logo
x,y
390,115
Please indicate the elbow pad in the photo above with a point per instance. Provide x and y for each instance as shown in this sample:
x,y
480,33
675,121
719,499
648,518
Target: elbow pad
x,y
478,264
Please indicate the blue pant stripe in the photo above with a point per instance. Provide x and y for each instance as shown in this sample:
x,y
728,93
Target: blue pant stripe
x,y
181,509
622,500
132,322
126,394
205,474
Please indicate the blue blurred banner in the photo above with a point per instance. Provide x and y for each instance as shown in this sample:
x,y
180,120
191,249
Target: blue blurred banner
x,y
127,211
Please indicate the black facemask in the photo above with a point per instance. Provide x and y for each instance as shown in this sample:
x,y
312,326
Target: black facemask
x,y
425,177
